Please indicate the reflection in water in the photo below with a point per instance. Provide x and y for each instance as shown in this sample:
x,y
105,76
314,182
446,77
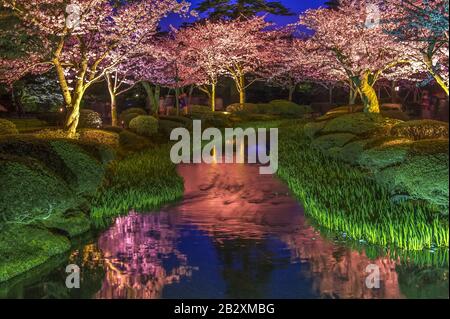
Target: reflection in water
x,y
236,234
259,244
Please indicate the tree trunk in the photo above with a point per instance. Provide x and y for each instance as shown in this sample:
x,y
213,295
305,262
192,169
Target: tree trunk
x,y
291,93
393,92
114,120
113,100
330,95
74,116
177,100
73,104
241,88
213,97
370,99
437,77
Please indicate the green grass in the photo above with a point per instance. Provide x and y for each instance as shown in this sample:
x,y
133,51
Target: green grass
x,y
142,181
342,198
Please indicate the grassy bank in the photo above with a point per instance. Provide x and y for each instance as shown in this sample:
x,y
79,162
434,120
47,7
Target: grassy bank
x,y
142,181
343,198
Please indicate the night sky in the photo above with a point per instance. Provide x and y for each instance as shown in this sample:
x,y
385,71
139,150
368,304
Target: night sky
x,y
296,6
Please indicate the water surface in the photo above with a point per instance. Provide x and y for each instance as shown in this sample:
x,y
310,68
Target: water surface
x,y
235,234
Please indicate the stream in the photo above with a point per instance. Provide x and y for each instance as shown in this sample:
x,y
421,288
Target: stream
x,y
235,234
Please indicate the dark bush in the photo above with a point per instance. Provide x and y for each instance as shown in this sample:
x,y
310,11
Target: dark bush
x,y
185,121
200,109
129,114
132,142
39,149
166,127
421,129
287,108
52,118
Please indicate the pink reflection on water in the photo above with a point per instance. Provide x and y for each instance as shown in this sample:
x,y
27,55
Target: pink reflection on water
x,y
230,201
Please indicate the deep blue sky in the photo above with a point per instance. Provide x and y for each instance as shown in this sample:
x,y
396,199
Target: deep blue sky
x,y
296,6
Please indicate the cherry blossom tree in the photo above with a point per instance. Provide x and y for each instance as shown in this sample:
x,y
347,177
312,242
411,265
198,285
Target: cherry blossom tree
x,y
83,40
424,26
243,47
201,49
351,40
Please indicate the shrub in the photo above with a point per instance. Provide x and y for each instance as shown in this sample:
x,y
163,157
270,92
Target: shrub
x,y
114,129
200,109
38,149
144,125
383,156
312,128
100,136
132,142
212,119
185,121
7,127
341,110
287,108
52,134
52,118
423,177
246,107
136,110
87,170
90,119
360,124
238,117
265,108
398,115
166,127
421,129
127,118
29,125
29,191
351,152
101,152
129,114
329,141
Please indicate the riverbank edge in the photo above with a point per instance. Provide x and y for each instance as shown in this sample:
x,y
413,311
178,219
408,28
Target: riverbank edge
x,y
25,247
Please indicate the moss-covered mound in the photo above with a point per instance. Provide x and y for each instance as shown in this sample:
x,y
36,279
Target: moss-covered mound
x,y
360,124
288,108
24,247
326,142
383,156
421,129
30,191
87,170
398,153
417,169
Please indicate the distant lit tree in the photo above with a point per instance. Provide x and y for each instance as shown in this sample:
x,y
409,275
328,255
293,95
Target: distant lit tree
x,y
233,9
